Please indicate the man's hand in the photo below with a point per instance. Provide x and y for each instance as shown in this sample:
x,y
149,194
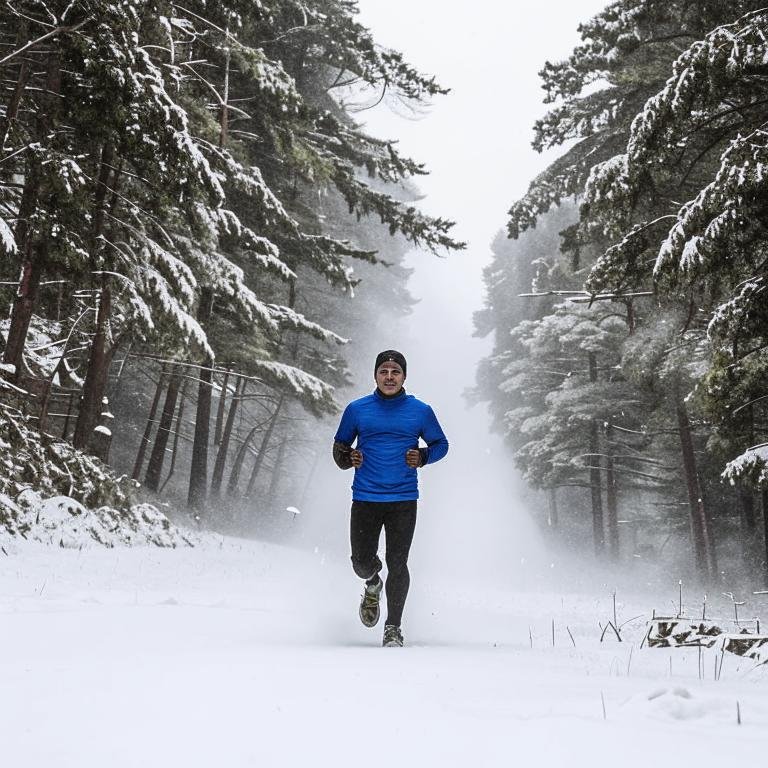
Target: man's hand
x,y
413,458
356,457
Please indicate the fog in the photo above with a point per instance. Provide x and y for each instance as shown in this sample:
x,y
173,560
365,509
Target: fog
x,y
476,144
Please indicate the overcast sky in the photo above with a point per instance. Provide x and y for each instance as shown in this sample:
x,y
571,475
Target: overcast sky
x,y
477,140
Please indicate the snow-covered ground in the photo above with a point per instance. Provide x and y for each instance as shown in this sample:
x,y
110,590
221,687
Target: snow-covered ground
x,y
237,653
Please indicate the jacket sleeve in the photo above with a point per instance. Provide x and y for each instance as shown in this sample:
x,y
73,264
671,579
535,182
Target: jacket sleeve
x,y
341,455
345,436
434,437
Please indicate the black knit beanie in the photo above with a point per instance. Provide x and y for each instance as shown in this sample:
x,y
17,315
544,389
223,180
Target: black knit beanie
x,y
394,356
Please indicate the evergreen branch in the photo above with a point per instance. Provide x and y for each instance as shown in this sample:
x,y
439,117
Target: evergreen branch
x,y
47,36
213,90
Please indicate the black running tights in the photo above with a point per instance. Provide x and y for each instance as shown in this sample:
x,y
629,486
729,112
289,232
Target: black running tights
x,y
398,518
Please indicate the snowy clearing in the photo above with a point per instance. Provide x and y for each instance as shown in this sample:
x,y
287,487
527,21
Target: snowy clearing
x,y
240,653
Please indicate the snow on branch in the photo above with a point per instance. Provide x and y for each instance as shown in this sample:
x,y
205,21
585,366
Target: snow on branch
x,y
7,241
751,467
564,178
289,318
712,230
718,211
311,391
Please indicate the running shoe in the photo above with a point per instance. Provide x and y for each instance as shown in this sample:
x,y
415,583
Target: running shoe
x,y
393,637
369,604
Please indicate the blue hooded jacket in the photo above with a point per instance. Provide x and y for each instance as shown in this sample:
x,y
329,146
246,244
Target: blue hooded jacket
x,y
385,428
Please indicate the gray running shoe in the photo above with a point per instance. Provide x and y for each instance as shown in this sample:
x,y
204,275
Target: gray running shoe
x,y
369,604
393,637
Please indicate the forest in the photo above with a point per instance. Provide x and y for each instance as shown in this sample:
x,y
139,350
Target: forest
x,y
187,208
626,298
198,235
214,216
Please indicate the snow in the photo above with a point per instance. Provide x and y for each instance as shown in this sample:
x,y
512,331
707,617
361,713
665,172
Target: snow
x,y
63,522
300,382
289,318
7,241
239,653
752,465
43,349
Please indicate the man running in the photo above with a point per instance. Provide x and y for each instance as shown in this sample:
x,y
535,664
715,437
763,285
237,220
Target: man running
x,y
387,426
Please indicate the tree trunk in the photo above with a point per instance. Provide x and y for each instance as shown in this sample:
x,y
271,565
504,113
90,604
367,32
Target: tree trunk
x,y
700,536
277,471
630,317
224,115
237,466
21,315
764,499
45,400
308,482
221,454
553,518
157,457
263,448
31,270
115,388
198,478
748,527
748,523
612,519
176,434
95,383
12,110
101,439
221,406
70,405
33,258
150,421
598,533
611,502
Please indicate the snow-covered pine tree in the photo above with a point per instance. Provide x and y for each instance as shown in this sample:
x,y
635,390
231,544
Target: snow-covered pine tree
x,y
645,142
572,413
701,134
119,165
624,59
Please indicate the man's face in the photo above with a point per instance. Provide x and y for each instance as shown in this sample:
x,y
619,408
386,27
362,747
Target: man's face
x,y
389,378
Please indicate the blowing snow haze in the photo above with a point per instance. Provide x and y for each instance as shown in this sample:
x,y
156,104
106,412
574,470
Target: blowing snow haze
x,y
472,516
